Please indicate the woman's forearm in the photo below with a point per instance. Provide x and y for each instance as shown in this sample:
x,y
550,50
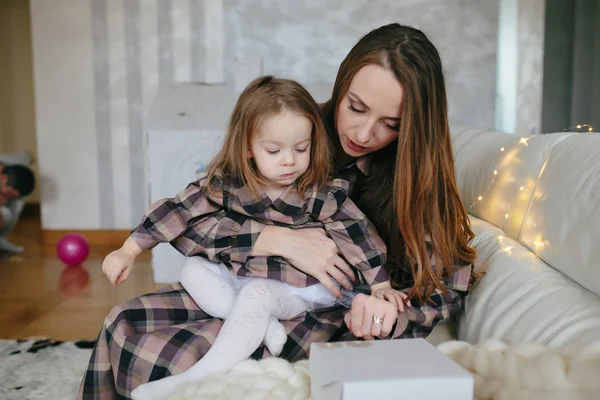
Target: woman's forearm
x,y
269,241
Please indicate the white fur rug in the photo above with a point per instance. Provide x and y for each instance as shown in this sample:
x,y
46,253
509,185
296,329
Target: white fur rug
x,y
41,369
526,371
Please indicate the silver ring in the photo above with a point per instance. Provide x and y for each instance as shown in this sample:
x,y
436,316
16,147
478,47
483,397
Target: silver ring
x,y
377,320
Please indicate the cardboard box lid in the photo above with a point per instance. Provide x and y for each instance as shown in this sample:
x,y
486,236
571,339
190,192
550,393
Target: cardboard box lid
x,y
380,360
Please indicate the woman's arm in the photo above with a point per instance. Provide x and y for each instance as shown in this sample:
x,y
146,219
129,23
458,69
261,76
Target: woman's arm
x,y
232,237
422,318
418,320
309,257
354,235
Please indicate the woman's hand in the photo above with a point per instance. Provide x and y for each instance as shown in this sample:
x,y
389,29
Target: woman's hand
x,y
309,250
384,291
360,319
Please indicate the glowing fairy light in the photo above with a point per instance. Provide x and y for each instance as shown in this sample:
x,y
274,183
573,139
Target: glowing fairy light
x,y
587,127
521,188
521,141
505,216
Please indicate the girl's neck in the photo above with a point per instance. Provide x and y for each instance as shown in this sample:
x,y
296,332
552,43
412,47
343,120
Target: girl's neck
x,y
274,191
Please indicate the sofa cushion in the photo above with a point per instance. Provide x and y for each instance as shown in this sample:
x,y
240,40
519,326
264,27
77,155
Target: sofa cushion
x,y
521,298
543,191
562,223
496,173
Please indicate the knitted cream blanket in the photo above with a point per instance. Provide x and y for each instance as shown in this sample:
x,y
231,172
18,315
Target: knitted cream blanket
x,y
500,371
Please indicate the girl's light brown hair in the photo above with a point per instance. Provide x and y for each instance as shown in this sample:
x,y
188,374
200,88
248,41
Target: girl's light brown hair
x,y
262,98
418,168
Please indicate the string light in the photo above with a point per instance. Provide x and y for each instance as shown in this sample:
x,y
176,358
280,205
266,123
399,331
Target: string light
x,y
586,127
537,242
521,141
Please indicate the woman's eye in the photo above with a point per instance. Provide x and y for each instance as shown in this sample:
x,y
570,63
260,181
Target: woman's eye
x,y
395,128
354,109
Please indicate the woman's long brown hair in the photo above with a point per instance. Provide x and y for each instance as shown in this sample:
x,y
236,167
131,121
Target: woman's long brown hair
x,y
262,98
422,203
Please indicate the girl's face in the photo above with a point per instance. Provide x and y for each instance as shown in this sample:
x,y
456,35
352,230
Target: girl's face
x,y
281,147
368,116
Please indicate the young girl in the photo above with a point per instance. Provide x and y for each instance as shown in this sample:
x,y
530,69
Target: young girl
x,y
275,168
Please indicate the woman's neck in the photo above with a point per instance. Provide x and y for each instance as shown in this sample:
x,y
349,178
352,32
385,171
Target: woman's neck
x,y
341,159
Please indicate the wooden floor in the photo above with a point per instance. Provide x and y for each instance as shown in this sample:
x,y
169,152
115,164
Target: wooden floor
x,y
42,297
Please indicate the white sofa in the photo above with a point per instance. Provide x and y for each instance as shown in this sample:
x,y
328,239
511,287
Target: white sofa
x,y
535,208
534,205
543,275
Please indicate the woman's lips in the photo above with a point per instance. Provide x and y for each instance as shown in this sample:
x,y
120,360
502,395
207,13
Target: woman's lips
x,y
355,147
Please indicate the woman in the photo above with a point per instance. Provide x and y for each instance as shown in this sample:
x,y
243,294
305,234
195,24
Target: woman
x,y
388,120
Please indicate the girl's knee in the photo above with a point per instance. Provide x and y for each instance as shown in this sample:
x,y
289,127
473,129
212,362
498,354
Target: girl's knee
x,y
195,268
258,288
194,264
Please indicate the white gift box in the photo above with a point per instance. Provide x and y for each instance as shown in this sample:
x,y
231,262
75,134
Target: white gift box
x,y
386,369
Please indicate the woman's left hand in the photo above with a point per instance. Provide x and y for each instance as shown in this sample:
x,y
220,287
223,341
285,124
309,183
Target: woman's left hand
x,y
371,317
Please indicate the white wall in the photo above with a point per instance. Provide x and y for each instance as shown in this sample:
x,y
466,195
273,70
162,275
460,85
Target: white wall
x,y
520,66
17,111
98,65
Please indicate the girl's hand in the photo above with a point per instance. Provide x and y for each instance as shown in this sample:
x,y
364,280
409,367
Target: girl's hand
x,y
315,254
393,296
117,265
360,319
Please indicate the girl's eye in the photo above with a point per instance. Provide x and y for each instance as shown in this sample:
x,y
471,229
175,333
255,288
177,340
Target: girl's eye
x,y
272,151
302,150
354,109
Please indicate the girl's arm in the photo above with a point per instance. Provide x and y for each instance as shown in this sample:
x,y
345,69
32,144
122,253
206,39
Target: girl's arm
x,y
165,221
168,219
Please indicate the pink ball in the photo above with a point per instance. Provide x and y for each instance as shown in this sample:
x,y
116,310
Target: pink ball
x,y
72,249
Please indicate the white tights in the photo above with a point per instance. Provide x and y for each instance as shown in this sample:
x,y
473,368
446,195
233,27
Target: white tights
x,y
251,317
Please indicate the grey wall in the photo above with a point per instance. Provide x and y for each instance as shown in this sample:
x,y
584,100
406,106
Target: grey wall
x,y
571,65
530,66
306,41
98,65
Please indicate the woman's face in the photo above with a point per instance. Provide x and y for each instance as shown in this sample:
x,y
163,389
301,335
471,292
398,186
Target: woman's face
x,y
368,116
